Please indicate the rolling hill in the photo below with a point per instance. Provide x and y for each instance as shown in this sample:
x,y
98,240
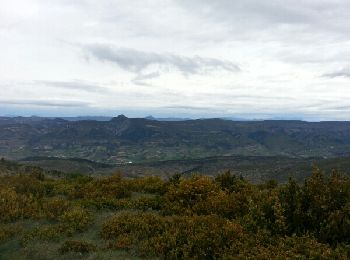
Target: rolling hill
x,y
123,140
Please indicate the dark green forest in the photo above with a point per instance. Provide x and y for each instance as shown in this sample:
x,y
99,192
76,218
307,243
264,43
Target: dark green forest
x,y
77,216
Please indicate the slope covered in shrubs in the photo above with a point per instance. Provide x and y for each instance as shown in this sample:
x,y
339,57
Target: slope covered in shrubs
x,y
181,218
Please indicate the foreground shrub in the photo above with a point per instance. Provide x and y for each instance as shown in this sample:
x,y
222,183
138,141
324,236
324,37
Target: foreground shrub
x,y
195,218
337,226
106,203
77,246
201,195
15,206
320,207
228,205
139,225
171,237
151,184
113,187
295,247
75,220
142,203
147,203
45,233
231,183
182,198
55,208
197,237
7,231
30,185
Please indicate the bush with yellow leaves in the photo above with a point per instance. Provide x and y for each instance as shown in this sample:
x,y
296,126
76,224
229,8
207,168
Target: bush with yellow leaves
x,y
15,206
77,246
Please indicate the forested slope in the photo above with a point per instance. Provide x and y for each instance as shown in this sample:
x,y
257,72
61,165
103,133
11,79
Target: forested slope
x,y
123,139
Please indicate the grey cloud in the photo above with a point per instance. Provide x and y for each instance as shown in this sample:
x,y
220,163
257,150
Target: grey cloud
x,y
340,108
197,108
294,32
341,73
148,76
141,83
272,12
45,103
141,78
246,97
251,10
138,61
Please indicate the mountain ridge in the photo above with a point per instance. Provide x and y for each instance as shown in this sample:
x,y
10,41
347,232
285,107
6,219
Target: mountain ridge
x,y
123,139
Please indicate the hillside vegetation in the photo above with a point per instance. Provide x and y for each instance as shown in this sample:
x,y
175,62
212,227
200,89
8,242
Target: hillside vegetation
x,y
256,169
199,217
123,139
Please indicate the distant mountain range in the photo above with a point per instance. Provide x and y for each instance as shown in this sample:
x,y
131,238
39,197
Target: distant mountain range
x,y
150,117
123,140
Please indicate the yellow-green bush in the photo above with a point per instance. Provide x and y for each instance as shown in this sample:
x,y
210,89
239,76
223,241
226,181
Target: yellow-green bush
x,y
182,198
231,183
14,206
43,232
7,231
194,218
64,187
53,208
151,184
108,187
294,247
223,203
193,237
138,224
77,246
146,203
72,221
75,220
182,237
28,185
143,203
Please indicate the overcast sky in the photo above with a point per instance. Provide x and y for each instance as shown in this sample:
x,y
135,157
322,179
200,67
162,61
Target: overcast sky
x,y
193,58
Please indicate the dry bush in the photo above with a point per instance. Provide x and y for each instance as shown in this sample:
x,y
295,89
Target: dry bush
x,y
182,198
150,184
45,233
70,222
77,246
7,231
54,208
171,237
113,187
75,220
137,224
15,206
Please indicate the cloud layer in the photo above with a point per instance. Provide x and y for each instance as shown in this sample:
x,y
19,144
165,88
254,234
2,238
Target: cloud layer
x,y
139,61
44,103
195,58
340,73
